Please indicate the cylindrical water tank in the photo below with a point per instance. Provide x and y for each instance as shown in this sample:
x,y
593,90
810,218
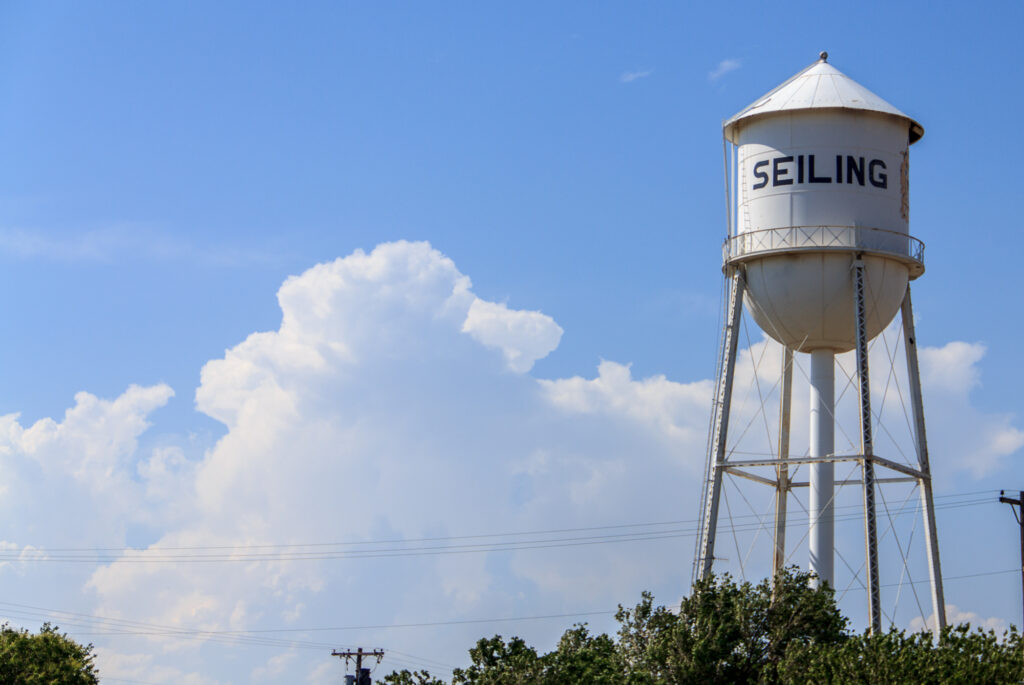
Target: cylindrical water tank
x,y
822,176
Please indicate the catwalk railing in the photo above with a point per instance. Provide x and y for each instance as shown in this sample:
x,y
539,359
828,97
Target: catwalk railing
x,y
793,239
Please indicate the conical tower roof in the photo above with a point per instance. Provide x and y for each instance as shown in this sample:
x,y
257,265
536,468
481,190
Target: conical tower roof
x,y
819,86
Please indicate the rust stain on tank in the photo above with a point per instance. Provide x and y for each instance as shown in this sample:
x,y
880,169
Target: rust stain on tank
x,y
905,186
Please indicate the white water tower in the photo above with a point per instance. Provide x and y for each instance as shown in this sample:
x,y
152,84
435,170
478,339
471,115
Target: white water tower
x,y
819,253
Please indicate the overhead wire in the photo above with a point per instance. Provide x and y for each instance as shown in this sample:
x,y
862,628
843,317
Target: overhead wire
x,y
144,629
108,627
415,547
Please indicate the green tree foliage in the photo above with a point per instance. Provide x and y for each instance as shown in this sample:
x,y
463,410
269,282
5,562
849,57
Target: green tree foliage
x,y
785,632
47,658
407,677
495,662
582,658
959,656
727,633
579,658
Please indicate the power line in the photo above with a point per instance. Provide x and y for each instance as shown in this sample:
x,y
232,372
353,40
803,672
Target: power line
x,y
422,624
412,548
344,543
112,627
139,628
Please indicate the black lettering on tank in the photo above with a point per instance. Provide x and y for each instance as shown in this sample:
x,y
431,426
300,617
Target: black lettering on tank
x,y
810,172
879,179
758,174
858,171
778,175
854,167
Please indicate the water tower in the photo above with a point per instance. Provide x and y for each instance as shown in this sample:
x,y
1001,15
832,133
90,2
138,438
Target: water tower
x,y
819,253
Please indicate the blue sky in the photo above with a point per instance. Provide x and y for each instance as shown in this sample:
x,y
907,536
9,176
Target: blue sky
x,y
167,168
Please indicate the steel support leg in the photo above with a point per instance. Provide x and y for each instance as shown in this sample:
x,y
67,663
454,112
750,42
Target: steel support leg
x,y
867,450
720,428
782,471
821,531
921,443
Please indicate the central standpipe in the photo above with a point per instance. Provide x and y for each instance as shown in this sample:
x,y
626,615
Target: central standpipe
x,y
821,509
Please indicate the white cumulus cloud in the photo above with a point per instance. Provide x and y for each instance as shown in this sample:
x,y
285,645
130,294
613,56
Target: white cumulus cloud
x,y
523,337
955,616
381,410
948,375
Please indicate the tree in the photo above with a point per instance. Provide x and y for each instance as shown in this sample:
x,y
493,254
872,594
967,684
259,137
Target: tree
x,y
959,656
579,658
582,658
47,658
495,662
727,633
407,677
785,632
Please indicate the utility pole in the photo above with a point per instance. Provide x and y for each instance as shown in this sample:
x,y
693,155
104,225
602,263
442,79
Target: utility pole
x,y
1014,503
362,676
